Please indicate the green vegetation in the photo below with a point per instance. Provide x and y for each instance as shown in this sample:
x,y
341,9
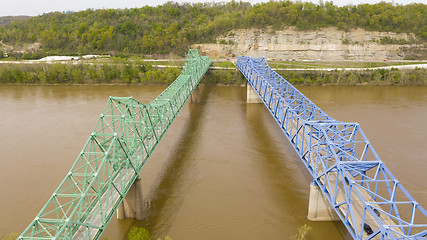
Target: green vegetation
x,y
4,20
124,72
139,233
165,62
224,77
302,232
345,41
224,64
224,42
171,28
369,77
11,236
389,40
116,72
140,73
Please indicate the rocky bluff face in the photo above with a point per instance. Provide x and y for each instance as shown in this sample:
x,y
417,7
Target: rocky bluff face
x,y
323,44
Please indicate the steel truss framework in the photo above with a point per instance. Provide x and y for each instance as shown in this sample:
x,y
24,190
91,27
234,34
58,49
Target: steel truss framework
x,y
124,138
369,200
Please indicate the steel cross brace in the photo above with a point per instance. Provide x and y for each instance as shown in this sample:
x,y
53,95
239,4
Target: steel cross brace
x,y
369,200
124,138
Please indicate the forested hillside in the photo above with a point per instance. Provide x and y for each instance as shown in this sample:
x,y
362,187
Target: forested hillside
x,y
173,27
4,20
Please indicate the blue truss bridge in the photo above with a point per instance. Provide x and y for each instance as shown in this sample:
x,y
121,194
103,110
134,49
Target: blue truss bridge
x,y
350,182
356,185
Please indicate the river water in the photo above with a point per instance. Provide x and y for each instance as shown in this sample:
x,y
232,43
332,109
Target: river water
x,y
224,170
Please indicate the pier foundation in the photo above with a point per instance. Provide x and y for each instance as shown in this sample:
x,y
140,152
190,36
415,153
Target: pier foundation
x,y
251,95
319,208
195,96
133,204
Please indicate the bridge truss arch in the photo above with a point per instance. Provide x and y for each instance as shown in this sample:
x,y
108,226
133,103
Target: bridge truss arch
x,y
369,200
125,136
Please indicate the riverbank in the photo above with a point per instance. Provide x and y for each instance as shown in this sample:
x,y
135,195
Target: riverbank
x,y
141,73
367,77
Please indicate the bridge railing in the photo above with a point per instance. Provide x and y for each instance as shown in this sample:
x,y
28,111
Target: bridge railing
x,y
124,138
369,200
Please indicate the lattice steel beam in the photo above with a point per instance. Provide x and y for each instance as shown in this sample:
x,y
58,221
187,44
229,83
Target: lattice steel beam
x,y
124,138
369,200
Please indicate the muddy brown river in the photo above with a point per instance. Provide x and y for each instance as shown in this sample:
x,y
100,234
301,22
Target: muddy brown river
x,y
224,170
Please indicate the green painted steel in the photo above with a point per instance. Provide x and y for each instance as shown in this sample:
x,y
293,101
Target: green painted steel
x,y
124,138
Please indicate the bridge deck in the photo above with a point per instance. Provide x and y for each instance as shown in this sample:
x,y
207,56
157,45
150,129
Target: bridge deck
x,y
343,163
124,138
357,204
108,202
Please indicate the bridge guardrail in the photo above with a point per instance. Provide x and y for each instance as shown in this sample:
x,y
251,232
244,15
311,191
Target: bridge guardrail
x,y
124,138
369,200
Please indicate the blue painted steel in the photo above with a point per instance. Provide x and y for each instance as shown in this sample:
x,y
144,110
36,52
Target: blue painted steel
x,y
369,200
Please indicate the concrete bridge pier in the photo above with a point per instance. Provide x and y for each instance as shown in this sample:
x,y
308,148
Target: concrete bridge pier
x,y
133,204
319,208
195,96
251,95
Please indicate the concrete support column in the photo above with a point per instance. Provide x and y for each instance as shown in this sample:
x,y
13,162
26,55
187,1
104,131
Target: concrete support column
x,y
195,96
251,95
133,204
319,208
139,200
121,211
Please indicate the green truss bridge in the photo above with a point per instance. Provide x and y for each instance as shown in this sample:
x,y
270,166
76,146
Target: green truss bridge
x,y
124,138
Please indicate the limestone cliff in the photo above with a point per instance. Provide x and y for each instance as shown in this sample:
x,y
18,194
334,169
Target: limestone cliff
x,y
323,44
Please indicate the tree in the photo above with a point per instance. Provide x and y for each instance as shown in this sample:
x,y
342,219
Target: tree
x,y
138,233
173,27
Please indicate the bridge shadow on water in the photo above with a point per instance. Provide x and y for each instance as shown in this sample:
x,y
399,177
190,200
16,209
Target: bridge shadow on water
x,y
165,196
285,177
279,181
